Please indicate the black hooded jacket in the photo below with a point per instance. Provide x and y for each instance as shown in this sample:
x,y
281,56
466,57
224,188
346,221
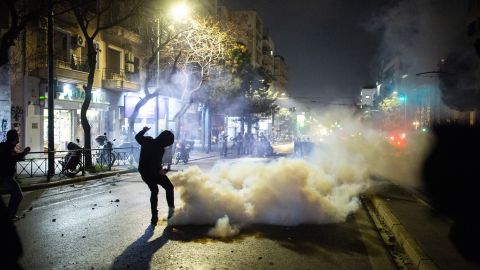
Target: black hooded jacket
x,y
152,151
8,159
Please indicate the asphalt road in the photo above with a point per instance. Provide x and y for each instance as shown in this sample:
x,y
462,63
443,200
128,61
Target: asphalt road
x,y
104,224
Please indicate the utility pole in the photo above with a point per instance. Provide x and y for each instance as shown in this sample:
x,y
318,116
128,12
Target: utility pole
x,y
51,154
157,115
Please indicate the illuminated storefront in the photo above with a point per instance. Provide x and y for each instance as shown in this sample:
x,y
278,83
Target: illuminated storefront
x,y
67,123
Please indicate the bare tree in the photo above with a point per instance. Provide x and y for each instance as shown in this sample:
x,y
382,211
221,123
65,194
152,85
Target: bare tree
x,y
156,34
20,13
202,48
92,18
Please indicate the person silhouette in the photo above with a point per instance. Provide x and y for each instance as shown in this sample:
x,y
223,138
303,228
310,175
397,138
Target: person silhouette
x,y
8,160
151,170
450,176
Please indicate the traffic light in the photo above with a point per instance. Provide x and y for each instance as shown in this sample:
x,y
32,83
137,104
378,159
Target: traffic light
x,y
42,95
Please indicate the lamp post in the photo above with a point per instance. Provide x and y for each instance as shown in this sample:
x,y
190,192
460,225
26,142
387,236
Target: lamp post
x,y
403,99
178,12
50,60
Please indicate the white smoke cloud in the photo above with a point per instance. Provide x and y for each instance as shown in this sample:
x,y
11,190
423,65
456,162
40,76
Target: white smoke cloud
x,y
322,188
223,229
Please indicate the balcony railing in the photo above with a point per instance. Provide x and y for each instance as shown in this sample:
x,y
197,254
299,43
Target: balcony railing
x,y
74,68
120,80
74,63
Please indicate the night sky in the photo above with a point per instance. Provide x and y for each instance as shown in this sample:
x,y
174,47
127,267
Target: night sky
x,y
328,45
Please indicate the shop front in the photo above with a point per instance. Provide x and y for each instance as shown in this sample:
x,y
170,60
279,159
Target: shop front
x,y
67,121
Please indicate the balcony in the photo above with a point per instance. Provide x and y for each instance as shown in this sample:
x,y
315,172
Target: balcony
x,y
119,80
74,70
119,34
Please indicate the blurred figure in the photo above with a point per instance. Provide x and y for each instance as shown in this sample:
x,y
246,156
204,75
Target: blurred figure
x,y
239,143
224,140
451,178
8,162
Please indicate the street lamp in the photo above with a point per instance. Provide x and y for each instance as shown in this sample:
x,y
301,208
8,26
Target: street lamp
x,y
180,11
177,12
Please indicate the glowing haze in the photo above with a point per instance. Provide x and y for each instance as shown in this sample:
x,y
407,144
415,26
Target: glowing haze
x,y
322,188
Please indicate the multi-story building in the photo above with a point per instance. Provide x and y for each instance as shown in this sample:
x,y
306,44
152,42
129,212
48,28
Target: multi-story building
x,y
268,49
367,96
280,76
117,72
251,33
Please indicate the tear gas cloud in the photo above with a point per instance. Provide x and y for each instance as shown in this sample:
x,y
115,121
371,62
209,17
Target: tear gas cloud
x,y
322,188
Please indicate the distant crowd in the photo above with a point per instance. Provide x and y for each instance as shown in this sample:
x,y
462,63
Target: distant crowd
x,y
246,144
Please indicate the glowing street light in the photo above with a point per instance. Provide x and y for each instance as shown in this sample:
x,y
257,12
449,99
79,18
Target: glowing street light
x,y
180,11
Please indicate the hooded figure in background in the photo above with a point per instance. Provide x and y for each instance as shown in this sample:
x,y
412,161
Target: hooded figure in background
x,y
151,170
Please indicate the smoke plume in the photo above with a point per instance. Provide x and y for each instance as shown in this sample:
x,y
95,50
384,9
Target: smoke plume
x,y
321,188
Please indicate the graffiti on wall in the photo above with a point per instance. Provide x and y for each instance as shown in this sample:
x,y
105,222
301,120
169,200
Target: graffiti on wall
x,y
17,113
4,119
3,130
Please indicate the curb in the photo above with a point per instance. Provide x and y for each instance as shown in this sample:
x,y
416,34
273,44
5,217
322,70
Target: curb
x,y
73,180
408,243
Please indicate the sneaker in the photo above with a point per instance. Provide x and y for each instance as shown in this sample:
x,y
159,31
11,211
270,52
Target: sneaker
x,y
171,212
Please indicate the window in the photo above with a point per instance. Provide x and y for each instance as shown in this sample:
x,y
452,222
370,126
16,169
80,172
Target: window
x,y
61,46
113,61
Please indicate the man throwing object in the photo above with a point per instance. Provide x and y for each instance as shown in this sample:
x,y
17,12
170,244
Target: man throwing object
x,y
151,170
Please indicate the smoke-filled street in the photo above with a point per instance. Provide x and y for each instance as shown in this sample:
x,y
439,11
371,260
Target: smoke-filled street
x,y
106,224
228,134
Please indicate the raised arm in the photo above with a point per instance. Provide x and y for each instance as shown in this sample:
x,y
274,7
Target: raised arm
x,y
20,156
140,137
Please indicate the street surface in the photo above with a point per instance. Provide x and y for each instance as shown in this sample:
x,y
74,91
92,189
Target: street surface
x,y
104,224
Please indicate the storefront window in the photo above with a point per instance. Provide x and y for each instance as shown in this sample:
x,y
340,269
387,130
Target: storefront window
x,y
63,128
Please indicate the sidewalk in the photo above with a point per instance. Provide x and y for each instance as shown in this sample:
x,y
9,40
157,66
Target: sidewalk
x,y
34,183
422,234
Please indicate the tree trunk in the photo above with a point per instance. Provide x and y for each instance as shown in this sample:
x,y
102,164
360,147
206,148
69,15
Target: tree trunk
x,y
208,131
202,135
242,124
249,125
136,110
179,115
92,62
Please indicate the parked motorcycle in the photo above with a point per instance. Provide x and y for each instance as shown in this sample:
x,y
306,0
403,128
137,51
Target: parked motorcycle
x,y
106,156
71,163
182,151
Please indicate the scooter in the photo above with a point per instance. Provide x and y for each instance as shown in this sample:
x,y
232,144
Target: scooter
x,y
107,156
182,152
71,163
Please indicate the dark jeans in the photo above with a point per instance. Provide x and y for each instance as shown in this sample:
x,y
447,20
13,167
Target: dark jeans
x,y
153,182
16,196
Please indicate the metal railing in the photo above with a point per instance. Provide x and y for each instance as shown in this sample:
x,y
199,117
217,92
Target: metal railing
x,y
73,63
120,75
36,163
